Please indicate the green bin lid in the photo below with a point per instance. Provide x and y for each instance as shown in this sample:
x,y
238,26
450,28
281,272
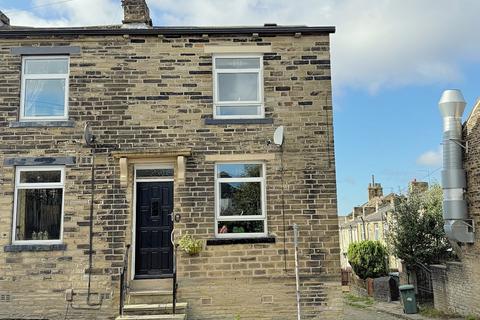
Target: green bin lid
x,y
406,287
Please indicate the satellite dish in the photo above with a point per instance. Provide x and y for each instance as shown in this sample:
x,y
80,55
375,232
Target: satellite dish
x,y
278,136
88,135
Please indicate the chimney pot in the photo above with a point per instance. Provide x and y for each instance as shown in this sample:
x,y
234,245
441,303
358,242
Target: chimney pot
x,y
136,14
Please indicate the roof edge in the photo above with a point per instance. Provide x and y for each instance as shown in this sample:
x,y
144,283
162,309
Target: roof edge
x,y
268,30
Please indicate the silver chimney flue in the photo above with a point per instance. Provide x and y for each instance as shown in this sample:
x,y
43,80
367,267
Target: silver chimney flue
x,y
458,226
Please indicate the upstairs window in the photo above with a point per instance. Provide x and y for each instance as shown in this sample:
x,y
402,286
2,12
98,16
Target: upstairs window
x,y
238,87
38,205
44,88
240,200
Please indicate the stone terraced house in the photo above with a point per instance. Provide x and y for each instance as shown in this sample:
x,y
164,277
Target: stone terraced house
x,y
181,138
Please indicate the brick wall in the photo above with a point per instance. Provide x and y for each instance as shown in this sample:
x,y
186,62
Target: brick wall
x,y
147,93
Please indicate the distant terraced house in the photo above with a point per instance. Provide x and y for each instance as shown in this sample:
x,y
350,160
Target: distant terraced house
x,y
117,140
370,221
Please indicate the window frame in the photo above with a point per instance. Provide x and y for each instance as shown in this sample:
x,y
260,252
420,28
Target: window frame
x,y
44,185
217,103
263,198
44,76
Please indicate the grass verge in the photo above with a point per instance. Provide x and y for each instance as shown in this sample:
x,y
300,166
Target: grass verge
x,y
358,302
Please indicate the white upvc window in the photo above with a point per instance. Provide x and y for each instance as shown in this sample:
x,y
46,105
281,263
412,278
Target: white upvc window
x,y
240,200
238,86
44,94
38,207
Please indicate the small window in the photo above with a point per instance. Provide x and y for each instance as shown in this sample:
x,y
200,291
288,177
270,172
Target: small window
x,y
44,88
240,200
154,172
238,87
38,205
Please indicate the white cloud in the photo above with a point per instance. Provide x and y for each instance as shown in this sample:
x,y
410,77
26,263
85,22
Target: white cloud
x,y
48,13
431,158
378,44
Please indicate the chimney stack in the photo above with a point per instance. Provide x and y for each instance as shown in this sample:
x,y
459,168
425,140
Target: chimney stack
x,y
417,186
375,190
4,20
357,211
136,14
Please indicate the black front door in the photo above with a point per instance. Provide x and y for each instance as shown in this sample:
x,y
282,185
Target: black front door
x,y
153,247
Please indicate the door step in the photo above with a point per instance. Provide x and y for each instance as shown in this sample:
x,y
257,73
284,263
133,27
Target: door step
x,y
151,285
142,293
149,297
154,317
153,307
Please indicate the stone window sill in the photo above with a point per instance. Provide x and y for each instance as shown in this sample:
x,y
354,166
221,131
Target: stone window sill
x,y
210,121
229,241
34,247
43,123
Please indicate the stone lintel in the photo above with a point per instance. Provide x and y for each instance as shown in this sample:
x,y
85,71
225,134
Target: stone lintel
x,y
237,49
240,157
38,161
29,50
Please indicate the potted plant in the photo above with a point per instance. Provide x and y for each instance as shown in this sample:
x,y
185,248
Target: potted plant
x,y
190,245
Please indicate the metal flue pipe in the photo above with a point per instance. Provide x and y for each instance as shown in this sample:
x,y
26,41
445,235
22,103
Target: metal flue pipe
x,y
457,225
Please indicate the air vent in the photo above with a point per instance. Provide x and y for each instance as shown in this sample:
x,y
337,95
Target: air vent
x,y
5,298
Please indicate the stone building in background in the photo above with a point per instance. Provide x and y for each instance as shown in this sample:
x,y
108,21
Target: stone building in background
x,y
370,220
183,119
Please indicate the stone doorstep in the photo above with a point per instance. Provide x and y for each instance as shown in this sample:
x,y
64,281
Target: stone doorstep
x,y
151,285
154,317
138,297
165,307
150,293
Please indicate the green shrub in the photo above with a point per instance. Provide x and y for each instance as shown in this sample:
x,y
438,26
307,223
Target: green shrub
x,y
368,259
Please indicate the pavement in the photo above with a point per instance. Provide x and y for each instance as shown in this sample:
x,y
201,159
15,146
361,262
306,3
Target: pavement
x,y
379,311
355,313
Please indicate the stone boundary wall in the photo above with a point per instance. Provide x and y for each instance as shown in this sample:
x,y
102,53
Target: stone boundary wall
x,y
456,288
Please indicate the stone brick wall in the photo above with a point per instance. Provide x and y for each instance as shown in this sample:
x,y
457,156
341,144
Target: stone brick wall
x,y
148,94
456,288
457,285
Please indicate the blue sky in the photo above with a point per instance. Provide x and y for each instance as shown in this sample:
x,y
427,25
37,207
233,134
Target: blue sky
x,y
391,60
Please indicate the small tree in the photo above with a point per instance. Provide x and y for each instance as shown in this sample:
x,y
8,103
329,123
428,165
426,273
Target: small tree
x,y
416,232
368,259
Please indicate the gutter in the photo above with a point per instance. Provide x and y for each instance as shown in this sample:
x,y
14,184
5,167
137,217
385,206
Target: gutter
x,y
169,31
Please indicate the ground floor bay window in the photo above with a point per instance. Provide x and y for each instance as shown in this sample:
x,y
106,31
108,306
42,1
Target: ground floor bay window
x,y
240,200
38,206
